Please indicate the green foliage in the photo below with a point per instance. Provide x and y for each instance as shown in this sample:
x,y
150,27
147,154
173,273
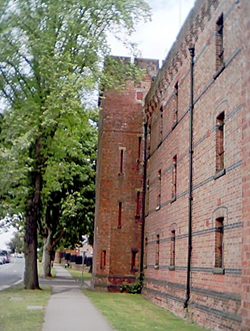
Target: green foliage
x,y
50,59
118,70
135,287
16,243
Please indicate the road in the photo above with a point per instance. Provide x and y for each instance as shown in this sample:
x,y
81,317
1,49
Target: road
x,y
11,273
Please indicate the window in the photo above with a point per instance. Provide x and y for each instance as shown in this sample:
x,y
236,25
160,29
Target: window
x,y
139,149
220,143
158,205
148,140
138,198
157,252
121,160
120,216
219,43
146,253
172,250
175,106
103,259
134,260
174,177
139,95
219,242
147,198
161,125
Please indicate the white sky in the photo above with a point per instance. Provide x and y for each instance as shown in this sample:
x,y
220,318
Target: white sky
x,y
5,237
155,38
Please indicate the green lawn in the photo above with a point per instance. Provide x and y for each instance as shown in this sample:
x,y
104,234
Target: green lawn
x,y
125,312
22,310
76,274
131,312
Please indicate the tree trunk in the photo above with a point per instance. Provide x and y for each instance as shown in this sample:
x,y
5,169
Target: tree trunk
x,y
47,255
30,239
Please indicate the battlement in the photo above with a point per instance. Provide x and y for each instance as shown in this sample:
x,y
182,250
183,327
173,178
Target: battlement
x,y
150,65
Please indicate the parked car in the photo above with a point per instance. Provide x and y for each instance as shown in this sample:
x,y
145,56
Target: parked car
x,y
4,254
2,260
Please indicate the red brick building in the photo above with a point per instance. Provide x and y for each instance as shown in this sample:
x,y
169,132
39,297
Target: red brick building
x,y
118,218
187,207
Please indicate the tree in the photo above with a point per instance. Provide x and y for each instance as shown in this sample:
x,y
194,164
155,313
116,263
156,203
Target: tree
x,y
68,194
50,55
16,243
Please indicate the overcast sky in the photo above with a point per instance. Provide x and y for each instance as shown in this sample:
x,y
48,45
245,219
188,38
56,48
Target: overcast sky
x,y
155,38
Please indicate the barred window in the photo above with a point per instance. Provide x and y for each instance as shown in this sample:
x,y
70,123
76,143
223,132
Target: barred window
x,y
219,232
219,43
220,142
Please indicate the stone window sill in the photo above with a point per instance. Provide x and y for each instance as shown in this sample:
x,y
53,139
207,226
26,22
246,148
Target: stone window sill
x,y
220,174
173,199
218,271
219,71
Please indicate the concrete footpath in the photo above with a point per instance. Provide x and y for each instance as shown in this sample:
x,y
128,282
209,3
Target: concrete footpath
x,y
68,308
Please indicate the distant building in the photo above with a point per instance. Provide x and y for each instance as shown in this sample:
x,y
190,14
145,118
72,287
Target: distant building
x,y
173,174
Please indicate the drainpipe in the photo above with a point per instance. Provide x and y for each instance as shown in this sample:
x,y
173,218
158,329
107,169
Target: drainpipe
x,y
191,50
143,196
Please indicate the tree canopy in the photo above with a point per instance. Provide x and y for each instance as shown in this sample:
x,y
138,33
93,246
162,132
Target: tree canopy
x,y
51,55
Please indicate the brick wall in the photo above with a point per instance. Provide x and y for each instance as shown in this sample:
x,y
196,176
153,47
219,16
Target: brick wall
x,y
118,218
220,227
245,306
215,291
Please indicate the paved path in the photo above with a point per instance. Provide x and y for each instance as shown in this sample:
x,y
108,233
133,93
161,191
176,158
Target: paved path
x,y
69,309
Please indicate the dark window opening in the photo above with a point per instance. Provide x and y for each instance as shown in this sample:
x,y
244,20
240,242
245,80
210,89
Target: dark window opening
x,y
172,249
219,232
220,142
219,43
121,160
139,149
176,106
148,140
161,125
157,252
159,191
147,198
134,260
174,177
120,216
146,253
103,259
138,197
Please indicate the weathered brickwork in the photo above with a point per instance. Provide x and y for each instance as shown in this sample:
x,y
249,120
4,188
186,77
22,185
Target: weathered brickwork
x,y
207,203
118,218
245,303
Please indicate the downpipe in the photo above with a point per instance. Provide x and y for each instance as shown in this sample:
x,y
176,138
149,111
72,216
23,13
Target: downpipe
x,y
143,198
190,196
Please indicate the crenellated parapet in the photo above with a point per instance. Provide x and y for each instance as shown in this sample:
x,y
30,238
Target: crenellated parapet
x,y
189,34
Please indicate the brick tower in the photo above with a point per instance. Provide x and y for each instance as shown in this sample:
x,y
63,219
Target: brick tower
x,y
119,183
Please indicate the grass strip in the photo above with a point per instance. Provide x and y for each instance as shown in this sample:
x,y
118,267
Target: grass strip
x,y
20,308
131,312
77,274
